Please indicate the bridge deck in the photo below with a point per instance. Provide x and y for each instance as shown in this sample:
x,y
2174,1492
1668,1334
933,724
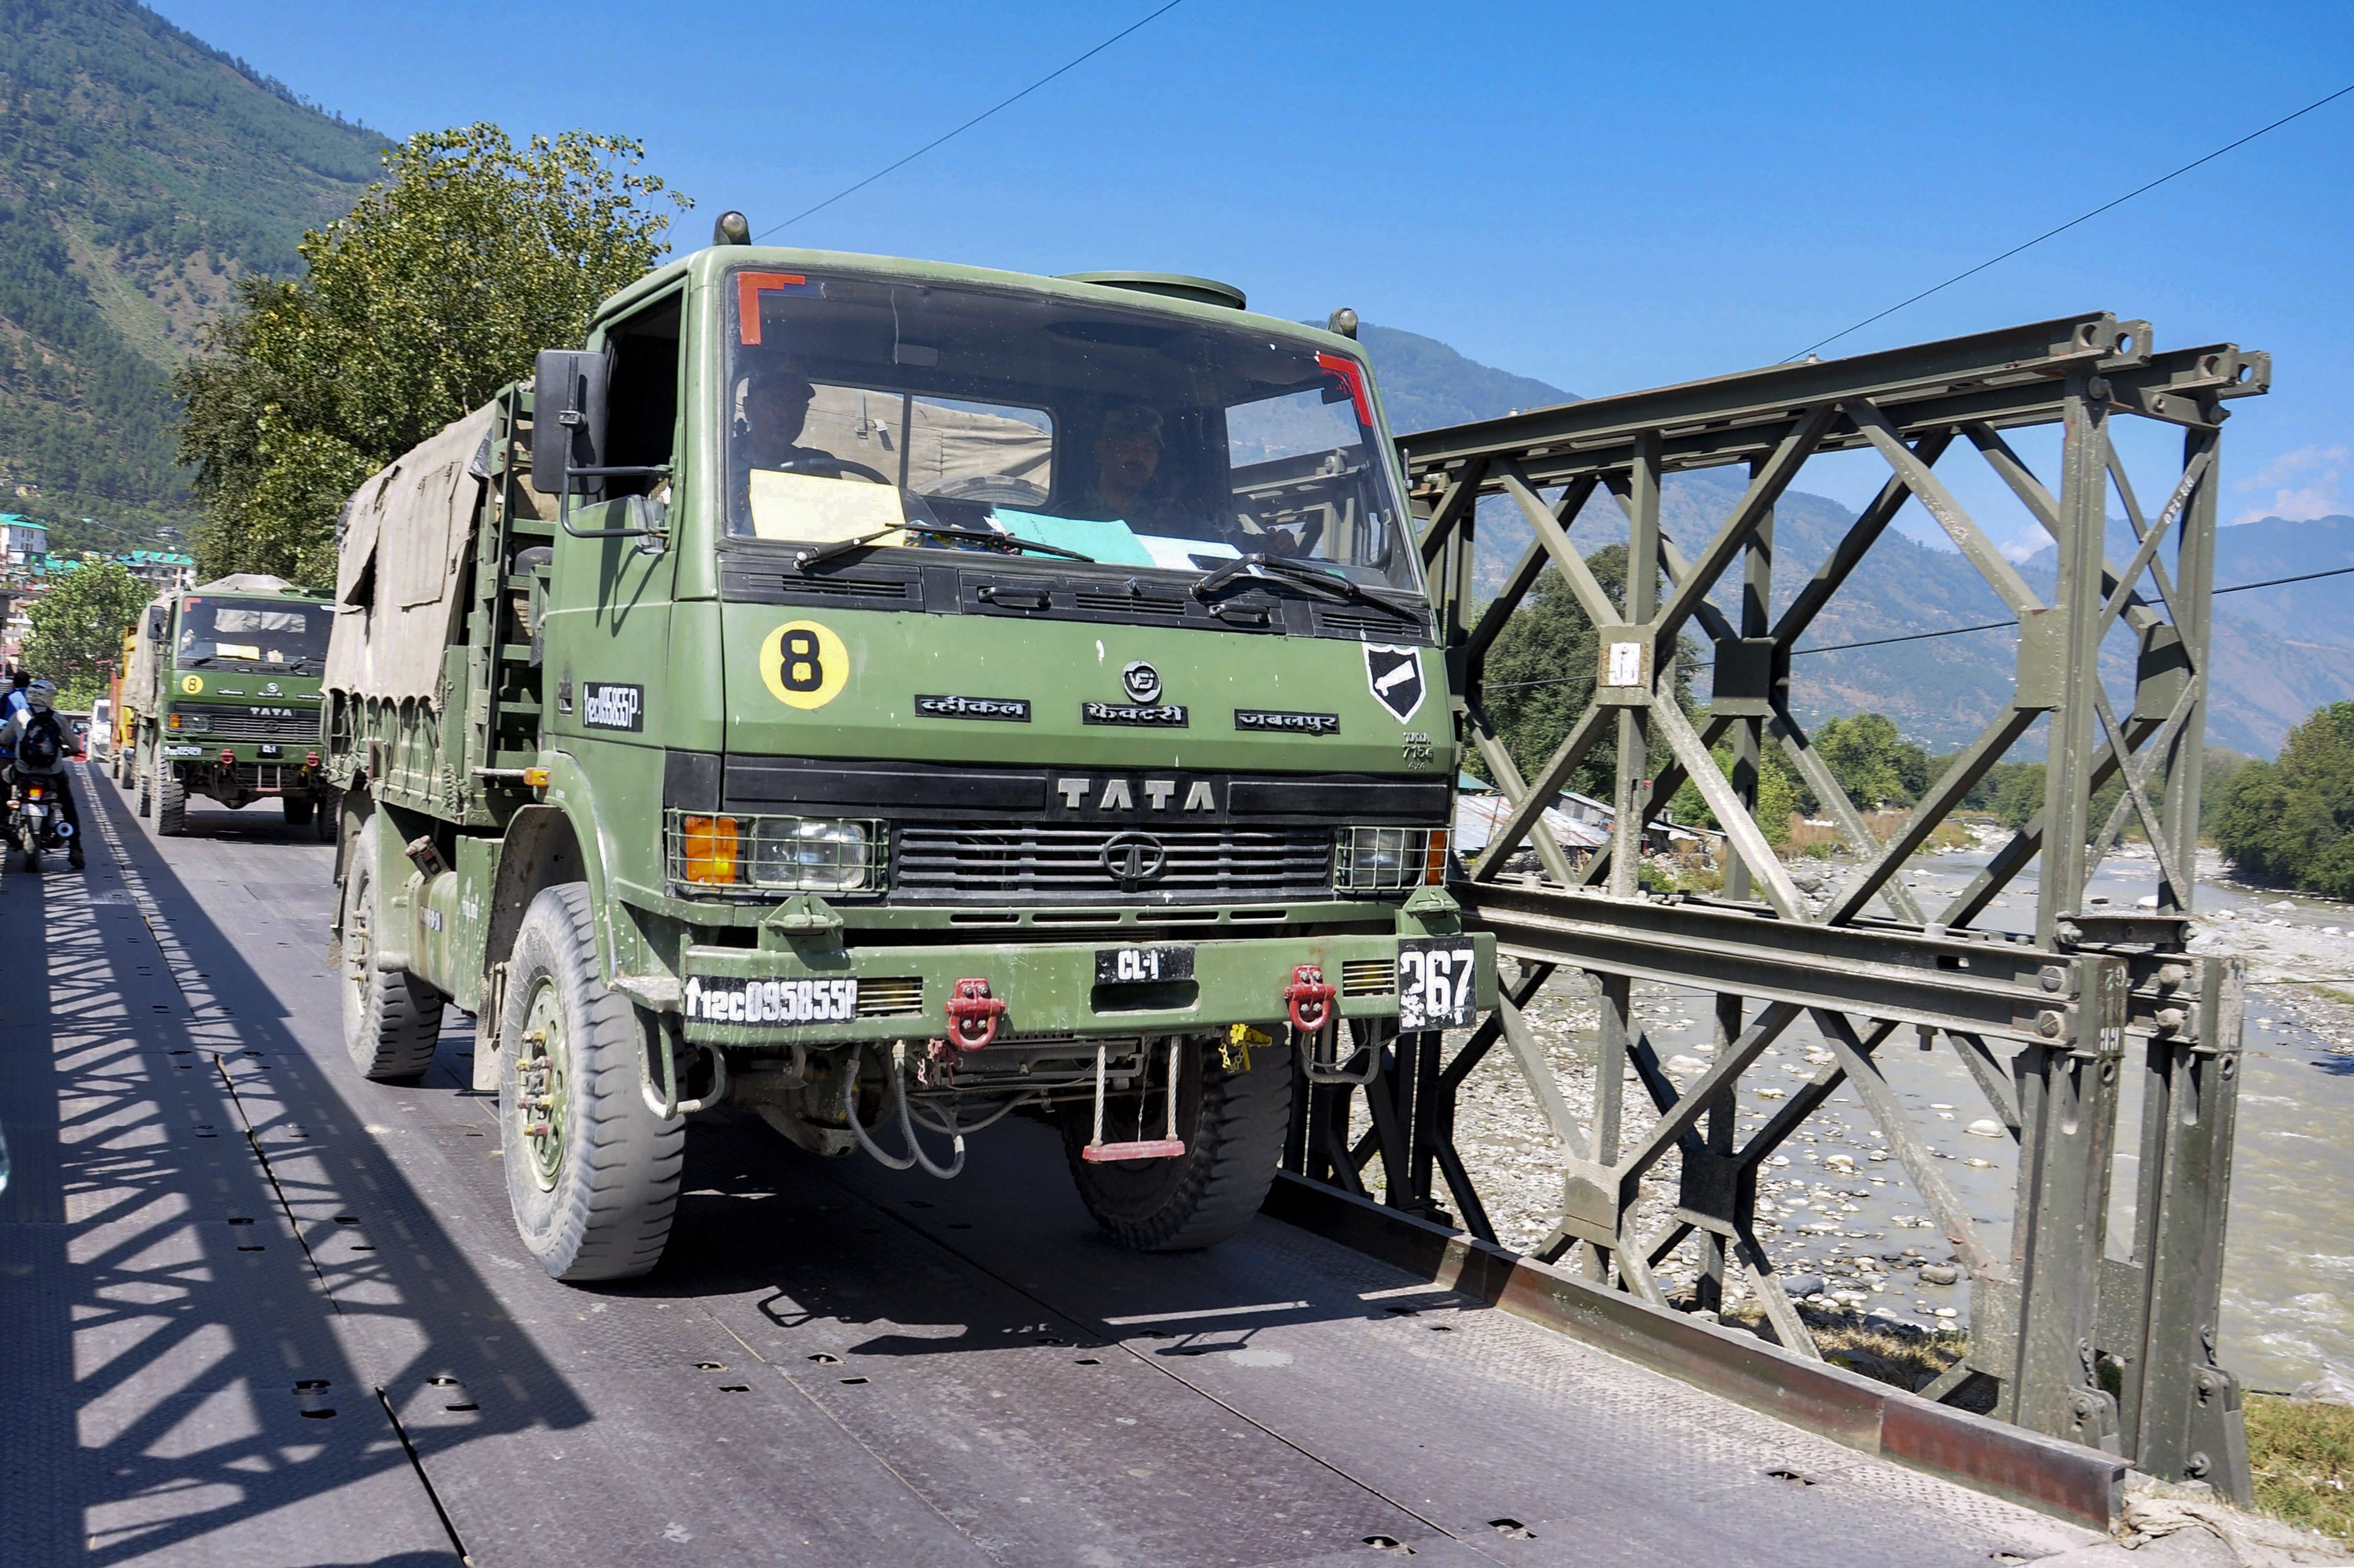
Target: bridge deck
x,y
836,1363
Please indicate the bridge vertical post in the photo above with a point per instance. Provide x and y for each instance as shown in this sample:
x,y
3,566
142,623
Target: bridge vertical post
x,y
2188,1423
1640,603
2068,769
2068,1107
2194,585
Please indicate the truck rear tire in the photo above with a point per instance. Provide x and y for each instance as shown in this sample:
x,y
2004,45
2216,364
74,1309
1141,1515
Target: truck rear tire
x,y
592,1169
392,1020
171,800
1233,1124
323,820
144,777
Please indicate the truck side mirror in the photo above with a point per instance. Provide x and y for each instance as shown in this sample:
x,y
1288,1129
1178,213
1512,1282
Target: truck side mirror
x,y
158,623
567,421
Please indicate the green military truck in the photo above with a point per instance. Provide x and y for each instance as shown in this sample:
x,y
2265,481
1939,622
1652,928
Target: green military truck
x,y
221,699
890,696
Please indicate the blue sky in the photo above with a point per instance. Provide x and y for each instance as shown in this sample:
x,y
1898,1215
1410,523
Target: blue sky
x,y
1604,197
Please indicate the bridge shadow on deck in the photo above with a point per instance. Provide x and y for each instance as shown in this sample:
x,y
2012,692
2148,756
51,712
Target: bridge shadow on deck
x,y
208,1269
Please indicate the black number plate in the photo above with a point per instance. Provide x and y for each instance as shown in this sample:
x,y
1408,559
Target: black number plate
x,y
1143,966
1437,983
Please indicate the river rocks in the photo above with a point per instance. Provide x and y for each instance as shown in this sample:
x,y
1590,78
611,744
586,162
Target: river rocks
x,y
2332,1387
1802,1286
1986,1127
1939,1274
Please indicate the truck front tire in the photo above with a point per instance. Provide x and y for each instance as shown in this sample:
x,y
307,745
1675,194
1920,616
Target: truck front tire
x,y
592,1169
392,1020
171,800
1233,1123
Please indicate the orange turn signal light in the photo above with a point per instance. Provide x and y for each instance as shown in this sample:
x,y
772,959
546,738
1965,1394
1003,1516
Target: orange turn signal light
x,y
708,849
1434,869
535,778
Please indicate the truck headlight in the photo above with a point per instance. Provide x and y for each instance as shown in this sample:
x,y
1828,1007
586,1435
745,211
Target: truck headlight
x,y
776,854
811,855
1388,860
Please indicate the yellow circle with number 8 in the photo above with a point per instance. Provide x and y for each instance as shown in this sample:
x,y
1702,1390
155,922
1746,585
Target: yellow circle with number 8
x,y
804,664
192,684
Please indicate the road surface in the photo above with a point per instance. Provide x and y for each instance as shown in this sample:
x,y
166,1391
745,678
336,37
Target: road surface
x,y
259,1311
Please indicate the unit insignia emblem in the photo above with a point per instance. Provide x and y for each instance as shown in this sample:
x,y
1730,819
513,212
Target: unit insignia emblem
x,y
1394,674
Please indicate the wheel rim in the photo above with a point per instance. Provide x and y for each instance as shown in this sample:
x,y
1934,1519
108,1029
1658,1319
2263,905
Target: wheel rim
x,y
357,958
540,1087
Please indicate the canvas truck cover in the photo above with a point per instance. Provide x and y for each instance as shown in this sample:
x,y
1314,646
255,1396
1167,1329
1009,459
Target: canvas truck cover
x,y
400,550
139,694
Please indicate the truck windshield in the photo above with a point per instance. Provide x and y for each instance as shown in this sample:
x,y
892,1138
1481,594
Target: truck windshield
x,y
268,632
858,407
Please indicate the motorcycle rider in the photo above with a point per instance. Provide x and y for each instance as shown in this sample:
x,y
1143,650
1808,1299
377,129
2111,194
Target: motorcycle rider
x,y
35,748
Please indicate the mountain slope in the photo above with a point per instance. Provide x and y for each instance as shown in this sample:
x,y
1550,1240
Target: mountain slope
x,y
142,172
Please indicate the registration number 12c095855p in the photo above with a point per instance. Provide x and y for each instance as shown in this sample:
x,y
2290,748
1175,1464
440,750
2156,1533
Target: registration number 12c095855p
x,y
822,1001
1437,983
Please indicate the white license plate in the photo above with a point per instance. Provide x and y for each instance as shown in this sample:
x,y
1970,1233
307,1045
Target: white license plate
x,y
1438,980
1143,966
821,1001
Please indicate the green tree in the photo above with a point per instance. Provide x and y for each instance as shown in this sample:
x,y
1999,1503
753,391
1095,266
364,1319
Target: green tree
x,y
77,629
1778,788
1879,768
436,290
2294,819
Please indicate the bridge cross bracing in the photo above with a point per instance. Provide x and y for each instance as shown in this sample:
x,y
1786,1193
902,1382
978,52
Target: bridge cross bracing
x,y
2107,1340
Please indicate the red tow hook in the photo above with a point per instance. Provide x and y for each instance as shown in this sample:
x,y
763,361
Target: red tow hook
x,y
973,1014
1309,998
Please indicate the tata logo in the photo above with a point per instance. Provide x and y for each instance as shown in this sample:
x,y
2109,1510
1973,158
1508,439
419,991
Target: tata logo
x,y
1120,794
1134,859
270,712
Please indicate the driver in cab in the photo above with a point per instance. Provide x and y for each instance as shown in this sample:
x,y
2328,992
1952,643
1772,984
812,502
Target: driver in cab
x,y
774,407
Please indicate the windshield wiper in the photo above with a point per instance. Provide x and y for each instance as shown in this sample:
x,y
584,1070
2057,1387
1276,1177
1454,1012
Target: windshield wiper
x,y
1290,570
803,561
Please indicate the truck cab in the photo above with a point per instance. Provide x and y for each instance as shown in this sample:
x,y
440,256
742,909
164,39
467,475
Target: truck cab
x,y
890,696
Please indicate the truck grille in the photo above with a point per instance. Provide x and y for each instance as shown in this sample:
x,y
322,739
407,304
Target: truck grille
x,y
225,725
1018,860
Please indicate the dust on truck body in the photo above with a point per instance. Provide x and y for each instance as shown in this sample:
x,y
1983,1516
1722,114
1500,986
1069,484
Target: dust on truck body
x,y
889,696
220,698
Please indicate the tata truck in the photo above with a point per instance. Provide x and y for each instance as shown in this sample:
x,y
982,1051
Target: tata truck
x,y
889,697
220,698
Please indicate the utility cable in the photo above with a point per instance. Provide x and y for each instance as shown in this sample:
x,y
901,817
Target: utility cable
x,y
1006,103
2072,222
1924,636
1997,625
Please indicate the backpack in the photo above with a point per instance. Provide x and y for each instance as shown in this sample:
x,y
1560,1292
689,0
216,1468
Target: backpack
x,y
42,744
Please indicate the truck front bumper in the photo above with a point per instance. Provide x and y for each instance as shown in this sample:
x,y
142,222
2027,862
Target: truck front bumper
x,y
749,996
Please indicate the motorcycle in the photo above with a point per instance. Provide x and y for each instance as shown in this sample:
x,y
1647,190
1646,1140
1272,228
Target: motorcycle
x,y
34,824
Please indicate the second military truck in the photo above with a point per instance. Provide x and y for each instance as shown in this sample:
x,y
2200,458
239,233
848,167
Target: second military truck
x,y
891,696
220,698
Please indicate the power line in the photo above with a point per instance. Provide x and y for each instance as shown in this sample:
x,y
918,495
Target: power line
x,y
2072,222
969,124
1997,625
1925,636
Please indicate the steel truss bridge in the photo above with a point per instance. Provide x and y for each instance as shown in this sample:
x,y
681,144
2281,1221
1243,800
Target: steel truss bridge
x,y
2048,1024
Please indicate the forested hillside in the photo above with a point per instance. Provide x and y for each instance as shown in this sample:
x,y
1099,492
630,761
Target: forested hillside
x,y
142,172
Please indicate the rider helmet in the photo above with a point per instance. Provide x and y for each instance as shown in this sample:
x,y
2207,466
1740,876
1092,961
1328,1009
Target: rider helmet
x,y
42,695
